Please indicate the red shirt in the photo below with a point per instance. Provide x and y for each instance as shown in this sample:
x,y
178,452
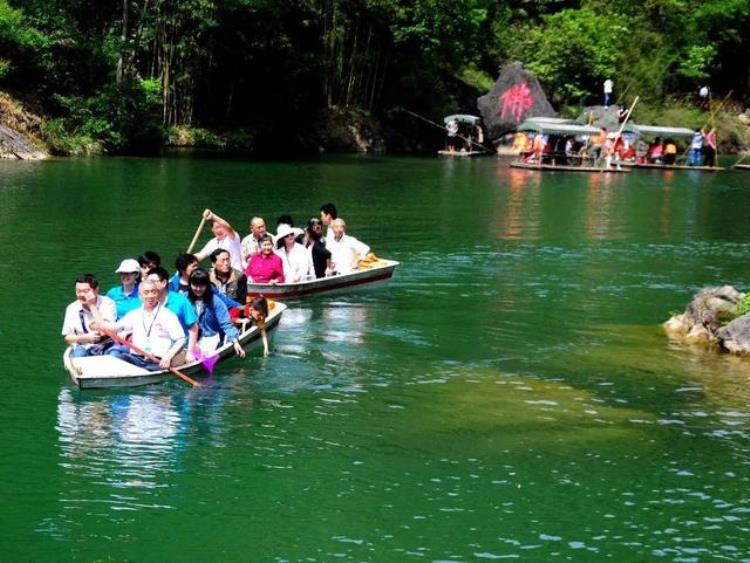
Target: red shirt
x,y
263,269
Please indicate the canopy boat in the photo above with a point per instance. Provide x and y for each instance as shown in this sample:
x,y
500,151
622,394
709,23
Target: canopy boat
x,y
560,129
635,131
369,274
100,372
469,122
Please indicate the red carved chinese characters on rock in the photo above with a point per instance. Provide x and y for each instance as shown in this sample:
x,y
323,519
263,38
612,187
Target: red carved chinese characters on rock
x,y
515,101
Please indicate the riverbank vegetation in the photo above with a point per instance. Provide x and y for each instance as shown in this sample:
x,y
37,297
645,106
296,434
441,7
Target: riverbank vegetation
x,y
129,75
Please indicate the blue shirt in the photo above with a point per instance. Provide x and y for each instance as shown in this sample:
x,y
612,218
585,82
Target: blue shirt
x,y
216,320
180,306
174,285
124,303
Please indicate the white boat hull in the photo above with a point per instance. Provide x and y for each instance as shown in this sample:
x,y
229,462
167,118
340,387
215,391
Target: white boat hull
x,y
103,372
376,275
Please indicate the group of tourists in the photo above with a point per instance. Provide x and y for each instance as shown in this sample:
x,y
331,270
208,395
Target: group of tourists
x,y
701,152
462,136
171,320
603,149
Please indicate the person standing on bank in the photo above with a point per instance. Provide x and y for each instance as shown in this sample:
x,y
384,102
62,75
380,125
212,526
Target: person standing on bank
x,y
609,86
88,309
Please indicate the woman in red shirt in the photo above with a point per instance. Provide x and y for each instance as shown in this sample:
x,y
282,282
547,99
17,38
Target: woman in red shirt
x,y
265,267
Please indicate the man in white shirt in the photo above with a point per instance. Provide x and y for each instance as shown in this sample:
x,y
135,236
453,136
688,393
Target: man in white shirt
x,y
346,251
225,237
608,87
155,329
328,215
251,243
89,307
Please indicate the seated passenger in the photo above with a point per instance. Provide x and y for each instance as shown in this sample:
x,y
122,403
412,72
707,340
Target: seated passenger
x,y
175,302
148,260
214,323
287,220
346,251
125,295
185,264
155,329
295,259
670,151
224,237
257,310
251,243
228,281
88,308
656,151
265,267
321,256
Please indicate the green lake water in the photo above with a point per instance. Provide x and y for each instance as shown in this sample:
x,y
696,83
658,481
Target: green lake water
x,y
508,395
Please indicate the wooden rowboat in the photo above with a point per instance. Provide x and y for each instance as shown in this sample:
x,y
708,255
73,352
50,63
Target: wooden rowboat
x,y
653,166
369,275
462,154
100,372
568,168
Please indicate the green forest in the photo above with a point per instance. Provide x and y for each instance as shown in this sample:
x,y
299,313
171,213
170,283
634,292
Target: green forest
x,y
259,74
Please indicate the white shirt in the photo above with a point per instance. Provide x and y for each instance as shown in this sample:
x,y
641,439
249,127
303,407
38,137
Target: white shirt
x,y
298,264
250,246
77,323
231,242
154,331
608,85
344,251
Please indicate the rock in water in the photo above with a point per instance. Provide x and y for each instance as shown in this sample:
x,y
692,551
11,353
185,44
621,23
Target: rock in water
x,y
517,95
703,315
735,336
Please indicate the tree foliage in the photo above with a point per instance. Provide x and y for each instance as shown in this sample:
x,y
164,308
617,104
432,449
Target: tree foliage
x,y
270,66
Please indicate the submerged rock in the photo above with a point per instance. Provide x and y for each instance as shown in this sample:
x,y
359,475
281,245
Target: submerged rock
x,y
703,317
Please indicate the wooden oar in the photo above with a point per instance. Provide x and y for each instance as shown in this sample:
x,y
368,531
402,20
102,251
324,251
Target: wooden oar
x,y
710,120
195,237
146,355
623,124
743,157
442,128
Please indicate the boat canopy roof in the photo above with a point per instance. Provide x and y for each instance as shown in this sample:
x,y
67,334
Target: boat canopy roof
x,y
558,126
657,131
462,118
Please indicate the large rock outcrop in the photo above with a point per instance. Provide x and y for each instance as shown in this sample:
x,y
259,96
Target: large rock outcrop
x,y
516,95
701,323
19,131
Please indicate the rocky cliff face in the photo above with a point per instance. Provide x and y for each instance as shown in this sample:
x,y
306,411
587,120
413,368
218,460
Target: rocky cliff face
x,y
20,131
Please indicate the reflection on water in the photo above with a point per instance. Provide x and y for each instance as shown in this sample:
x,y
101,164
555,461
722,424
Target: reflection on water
x,y
128,439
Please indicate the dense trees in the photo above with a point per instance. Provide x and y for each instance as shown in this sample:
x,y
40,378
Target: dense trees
x,y
119,70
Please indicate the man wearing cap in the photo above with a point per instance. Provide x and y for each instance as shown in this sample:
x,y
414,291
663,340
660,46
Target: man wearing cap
x,y
89,307
225,237
125,295
251,243
346,251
